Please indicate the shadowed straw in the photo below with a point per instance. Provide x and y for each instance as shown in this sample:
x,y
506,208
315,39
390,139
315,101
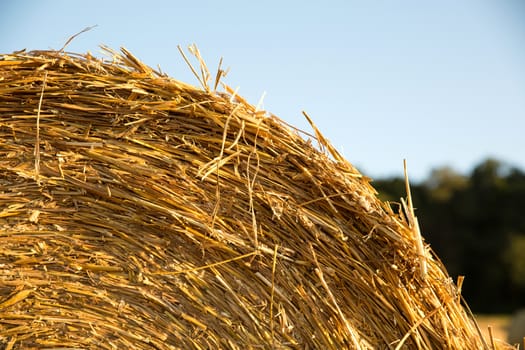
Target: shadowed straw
x,y
164,216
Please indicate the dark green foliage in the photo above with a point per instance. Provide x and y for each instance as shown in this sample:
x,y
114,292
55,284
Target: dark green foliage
x,y
476,225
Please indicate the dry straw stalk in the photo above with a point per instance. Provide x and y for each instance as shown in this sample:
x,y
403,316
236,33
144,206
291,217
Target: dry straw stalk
x,y
139,212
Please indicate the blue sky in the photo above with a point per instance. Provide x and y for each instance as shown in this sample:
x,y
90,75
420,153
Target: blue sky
x,y
435,82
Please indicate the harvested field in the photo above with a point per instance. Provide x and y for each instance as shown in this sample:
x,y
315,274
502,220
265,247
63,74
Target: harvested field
x,y
499,325
139,212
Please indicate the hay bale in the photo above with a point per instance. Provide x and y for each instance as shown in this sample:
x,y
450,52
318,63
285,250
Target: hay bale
x,y
140,212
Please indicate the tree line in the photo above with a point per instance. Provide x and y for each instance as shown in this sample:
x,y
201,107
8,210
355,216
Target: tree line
x,y
475,224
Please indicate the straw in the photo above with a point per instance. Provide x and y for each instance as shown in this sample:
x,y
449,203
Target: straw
x,y
159,215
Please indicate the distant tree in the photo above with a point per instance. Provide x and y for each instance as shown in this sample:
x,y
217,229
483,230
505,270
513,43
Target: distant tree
x,y
487,175
391,189
516,259
443,182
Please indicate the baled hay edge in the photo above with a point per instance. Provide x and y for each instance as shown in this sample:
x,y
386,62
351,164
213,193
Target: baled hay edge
x,y
140,212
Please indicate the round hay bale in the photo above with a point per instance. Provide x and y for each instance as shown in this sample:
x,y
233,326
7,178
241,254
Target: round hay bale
x,y
139,212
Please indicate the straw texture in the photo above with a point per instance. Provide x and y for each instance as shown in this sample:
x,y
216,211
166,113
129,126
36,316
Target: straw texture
x,y
139,212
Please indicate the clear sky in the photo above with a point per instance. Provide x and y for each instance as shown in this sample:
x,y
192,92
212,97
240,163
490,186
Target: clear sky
x,y
436,82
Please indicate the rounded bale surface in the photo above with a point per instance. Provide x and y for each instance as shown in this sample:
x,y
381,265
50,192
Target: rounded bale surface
x,y
140,212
